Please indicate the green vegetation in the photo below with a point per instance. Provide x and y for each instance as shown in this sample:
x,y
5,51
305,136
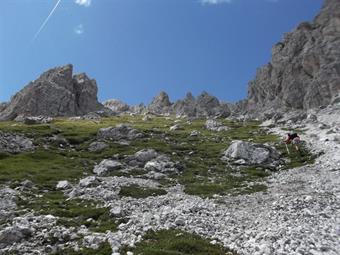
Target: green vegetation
x,y
136,191
202,171
43,167
71,212
175,242
296,158
104,249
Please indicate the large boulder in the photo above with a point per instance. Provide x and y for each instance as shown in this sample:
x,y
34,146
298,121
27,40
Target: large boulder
x,y
106,167
14,234
13,143
120,132
97,146
304,71
55,93
34,120
246,153
141,157
161,164
215,125
116,106
7,203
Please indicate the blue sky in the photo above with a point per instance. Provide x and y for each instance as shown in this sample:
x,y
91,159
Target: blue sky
x,y
136,48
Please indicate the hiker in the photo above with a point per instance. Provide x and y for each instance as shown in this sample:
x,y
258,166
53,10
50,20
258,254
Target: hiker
x,y
293,139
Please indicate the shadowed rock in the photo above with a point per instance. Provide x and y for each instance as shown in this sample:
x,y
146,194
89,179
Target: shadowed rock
x,y
3,106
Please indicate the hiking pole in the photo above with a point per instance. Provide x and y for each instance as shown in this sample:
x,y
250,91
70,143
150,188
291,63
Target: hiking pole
x,y
287,149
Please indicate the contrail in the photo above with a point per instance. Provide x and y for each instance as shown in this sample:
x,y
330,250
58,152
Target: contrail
x,y
46,20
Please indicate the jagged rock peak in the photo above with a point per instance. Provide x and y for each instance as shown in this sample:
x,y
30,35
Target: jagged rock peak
x,y
304,72
162,99
160,104
189,97
55,93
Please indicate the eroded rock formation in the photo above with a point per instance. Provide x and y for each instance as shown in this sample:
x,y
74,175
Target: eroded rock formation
x,y
305,68
55,93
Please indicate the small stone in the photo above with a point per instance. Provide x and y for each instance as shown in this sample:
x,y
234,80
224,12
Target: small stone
x,y
194,133
116,211
176,127
180,221
27,184
215,125
97,146
87,181
63,185
107,166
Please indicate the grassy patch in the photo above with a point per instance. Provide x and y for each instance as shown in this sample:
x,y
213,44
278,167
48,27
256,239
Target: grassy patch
x,y
175,242
44,167
296,158
104,249
136,191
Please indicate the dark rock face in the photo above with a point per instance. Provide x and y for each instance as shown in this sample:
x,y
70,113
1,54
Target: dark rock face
x,y
305,68
55,93
3,106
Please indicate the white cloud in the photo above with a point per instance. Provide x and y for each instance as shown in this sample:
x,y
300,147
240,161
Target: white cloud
x,y
213,2
85,3
79,29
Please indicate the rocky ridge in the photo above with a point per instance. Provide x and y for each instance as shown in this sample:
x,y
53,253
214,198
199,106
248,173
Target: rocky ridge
x,y
205,105
304,72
